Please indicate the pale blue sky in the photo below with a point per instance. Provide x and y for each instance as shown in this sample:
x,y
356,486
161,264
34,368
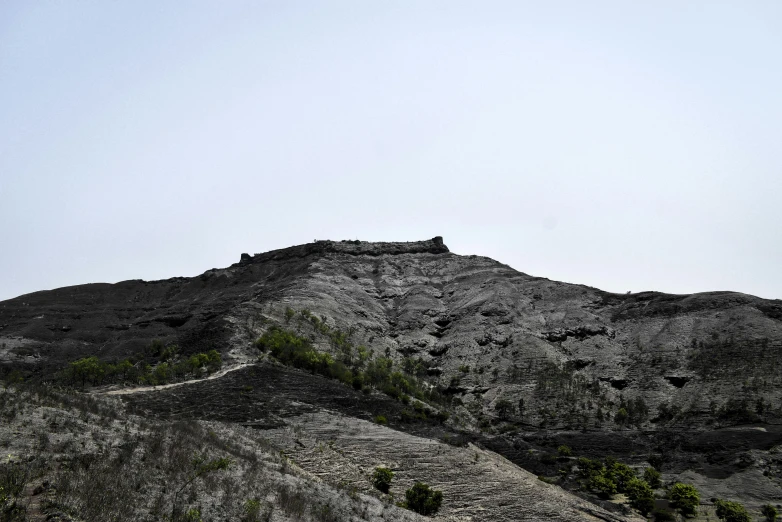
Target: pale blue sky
x,y
622,145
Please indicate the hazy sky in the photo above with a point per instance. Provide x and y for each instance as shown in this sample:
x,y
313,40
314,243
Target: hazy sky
x,y
623,145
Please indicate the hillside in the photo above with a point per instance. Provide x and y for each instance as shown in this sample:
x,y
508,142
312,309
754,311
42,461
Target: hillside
x,y
521,365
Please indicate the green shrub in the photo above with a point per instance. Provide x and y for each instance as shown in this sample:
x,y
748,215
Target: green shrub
x,y
169,352
770,512
564,451
297,351
91,370
588,467
381,479
361,372
602,484
641,495
620,473
652,477
193,515
732,511
87,369
252,510
280,340
621,416
421,499
685,498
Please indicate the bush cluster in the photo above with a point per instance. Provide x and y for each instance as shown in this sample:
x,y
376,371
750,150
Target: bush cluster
x,y
167,366
360,371
633,412
611,476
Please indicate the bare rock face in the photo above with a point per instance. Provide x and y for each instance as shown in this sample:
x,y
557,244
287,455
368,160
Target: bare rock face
x,y
573,362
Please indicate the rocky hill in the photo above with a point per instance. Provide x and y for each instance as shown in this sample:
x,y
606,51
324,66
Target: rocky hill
x,y
523,363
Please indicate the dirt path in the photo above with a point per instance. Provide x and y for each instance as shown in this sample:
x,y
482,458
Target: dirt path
x,y
141,389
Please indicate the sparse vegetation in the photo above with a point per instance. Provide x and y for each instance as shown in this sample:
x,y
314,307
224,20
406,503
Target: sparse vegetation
x,y
201,466
13,479
93,460
114,466
254,511
354,367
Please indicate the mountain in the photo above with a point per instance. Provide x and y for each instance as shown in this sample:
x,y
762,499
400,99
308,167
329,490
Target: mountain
x,y
520,364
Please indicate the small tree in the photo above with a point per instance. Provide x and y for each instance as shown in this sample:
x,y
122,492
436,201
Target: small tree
x,y
621,416
732,511
641,495
685,498
602,484
564,451
201,466
252,511
652,477
770,512
588,467
289,313
87,369
504,409
421,499
381,479
621,474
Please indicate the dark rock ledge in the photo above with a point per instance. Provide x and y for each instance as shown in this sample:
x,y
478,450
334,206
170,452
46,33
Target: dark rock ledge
x,y
356,248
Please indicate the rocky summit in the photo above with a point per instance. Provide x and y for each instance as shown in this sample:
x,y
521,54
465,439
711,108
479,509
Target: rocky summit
x,y
495,387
